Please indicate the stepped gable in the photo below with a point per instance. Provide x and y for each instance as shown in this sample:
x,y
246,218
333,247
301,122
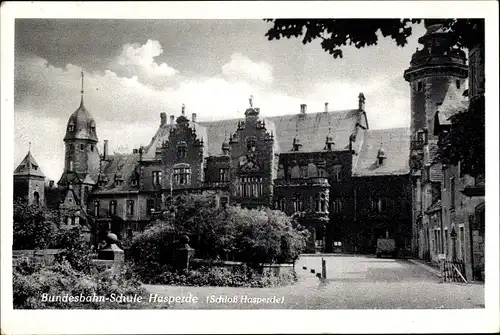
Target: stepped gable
x,y
396,146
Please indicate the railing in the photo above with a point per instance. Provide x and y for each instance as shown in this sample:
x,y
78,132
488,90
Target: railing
x,y
453,271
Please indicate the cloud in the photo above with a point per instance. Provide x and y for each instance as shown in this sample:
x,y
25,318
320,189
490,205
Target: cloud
x,y
241,67
126,107
137,60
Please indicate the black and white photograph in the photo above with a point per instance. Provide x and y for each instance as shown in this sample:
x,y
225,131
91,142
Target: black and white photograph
x,y
266,163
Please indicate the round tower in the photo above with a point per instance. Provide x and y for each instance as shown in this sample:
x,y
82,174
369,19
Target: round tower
x,y
80,141
433,68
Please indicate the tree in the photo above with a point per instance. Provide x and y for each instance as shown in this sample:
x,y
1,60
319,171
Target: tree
x,y
335,34
35,227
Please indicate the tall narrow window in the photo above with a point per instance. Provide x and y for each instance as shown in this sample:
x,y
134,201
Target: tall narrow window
x,y
156,178
251,187
36,198
420,86
452,192
457,83
150,205
130,207
112,207
298,203
96,208
336,172
82,146
182,150
223,174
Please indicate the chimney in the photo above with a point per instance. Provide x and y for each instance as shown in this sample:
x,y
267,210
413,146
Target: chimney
x,y
326,107
141,151
163,118
303,109
105,154
51,184
172,119
193,117
361,101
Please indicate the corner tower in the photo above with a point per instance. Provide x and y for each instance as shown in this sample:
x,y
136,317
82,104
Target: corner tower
x,y
29,181
432,70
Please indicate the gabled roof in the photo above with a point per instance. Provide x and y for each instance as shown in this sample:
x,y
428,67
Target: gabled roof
x,y
311,128
28,167
396,145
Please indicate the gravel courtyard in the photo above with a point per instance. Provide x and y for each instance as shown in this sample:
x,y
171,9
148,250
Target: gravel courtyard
x,y
353,282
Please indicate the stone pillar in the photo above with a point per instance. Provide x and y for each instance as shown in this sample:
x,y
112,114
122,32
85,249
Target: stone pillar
x,y
183,253
111,252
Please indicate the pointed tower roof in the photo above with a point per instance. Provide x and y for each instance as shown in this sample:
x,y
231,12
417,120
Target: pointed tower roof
x,y
28,167
81,124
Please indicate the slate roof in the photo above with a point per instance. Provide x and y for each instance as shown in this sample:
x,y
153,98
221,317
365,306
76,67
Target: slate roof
x,y
125,165
28,167
82,122
396,145
312,131
454,102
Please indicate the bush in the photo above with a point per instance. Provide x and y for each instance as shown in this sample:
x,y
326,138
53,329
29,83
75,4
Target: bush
x,y
251,236
74,249
241,276
32,282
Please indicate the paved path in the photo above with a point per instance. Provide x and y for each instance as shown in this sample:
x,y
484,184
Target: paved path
x,y
353,282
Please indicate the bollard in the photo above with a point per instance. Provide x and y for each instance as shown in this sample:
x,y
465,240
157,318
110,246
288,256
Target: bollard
x,y
323,268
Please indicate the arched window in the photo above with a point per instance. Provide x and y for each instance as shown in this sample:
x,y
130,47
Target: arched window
x,y
36,198
92,126
71,126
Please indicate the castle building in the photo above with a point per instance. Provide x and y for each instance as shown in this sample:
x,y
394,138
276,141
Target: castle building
x,y
346,183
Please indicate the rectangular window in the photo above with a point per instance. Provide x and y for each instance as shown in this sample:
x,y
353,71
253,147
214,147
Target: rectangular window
x,y
112,207
337,244
336,205
251,187
150,205
130,207
452,193
156,178
336,172
223,174
96,208
182,176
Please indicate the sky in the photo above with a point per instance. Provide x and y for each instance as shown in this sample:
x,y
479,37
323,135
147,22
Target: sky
x,y
136,69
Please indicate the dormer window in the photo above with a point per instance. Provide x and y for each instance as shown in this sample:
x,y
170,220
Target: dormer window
x,y
71,126
92,126
381,157
34,167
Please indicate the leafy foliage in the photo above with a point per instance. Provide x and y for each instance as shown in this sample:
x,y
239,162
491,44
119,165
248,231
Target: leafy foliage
x,y
232,233
34,227
337,33
465,141
74,248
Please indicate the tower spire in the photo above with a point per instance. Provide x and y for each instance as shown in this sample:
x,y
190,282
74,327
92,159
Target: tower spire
x,y
82,83
29,146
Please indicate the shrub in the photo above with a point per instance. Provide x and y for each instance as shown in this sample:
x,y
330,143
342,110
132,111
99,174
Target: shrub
x,y
31,283
35,227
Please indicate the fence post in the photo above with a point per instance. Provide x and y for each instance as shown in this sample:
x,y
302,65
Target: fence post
x,y
323,268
